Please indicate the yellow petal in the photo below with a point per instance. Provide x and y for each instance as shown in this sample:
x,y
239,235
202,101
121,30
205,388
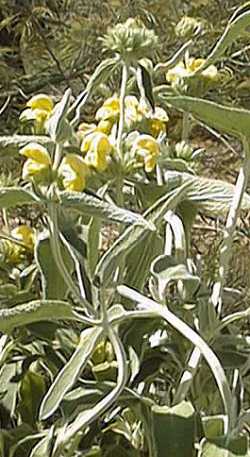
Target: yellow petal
x,y
32,168
156,126
86,128
41,101
109,109
150,163
149,143
24,234
97,147
105,126
37,153
74,172
178,72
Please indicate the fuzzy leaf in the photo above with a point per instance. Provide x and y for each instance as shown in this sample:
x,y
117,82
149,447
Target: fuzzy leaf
x,y
109,262
237,26
234,121
11,144
71,371
16,196
53,285
93,206
174,430
34,311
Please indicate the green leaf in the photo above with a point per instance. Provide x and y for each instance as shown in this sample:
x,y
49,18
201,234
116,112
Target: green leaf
x,y
214,426
93,245
210,196
147,85
234,121
237,26
174,430
166,270
53,285
91,205
140,258
8,389
71,371
101,73
10,145
237,447
44,447
109,262
35,311
16,196
56,124
31,391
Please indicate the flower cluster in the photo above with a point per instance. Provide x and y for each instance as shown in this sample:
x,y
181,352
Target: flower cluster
x,y
96,143
137,116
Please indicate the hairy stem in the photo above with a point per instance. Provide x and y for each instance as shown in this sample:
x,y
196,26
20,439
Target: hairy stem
x,y
122,109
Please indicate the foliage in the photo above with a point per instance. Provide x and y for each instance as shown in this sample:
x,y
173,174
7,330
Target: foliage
x,y
123,348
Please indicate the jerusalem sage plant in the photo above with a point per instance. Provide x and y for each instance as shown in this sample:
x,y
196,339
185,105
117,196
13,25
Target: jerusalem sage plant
x,y
77,366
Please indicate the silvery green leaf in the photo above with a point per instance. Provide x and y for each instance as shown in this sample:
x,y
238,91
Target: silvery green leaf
x,y
13,196
57,126
237,26
91,205
110,261
35,311
234,121
70,372
11,144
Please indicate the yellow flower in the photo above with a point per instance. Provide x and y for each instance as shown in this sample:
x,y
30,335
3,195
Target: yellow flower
x,y
41,102
85,128
133,113
105,126
24,234
74,172
182,70
10,252
97,147
210,72
38,161
156,120
146,149
36,152
39,109
178,72
109,110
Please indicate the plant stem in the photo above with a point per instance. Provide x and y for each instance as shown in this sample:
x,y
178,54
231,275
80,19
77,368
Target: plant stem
x,y
122,110
57,157
185,126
